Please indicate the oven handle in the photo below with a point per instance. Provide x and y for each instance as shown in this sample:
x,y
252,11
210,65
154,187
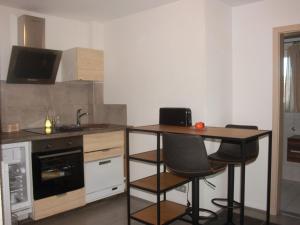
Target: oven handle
x,y
59,154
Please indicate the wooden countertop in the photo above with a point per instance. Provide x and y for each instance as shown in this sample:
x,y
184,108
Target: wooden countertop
x,y
6,138
208,132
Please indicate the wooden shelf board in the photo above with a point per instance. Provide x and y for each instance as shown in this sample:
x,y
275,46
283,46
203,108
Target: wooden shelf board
x,y
169,211
167,181
149,156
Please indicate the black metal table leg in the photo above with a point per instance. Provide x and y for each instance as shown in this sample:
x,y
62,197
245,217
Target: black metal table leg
x,y
165,193
195,201
127,177
158,178
230,194
269,179
242,200
242,203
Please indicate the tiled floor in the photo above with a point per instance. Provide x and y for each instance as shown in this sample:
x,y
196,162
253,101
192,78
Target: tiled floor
x,y
112,211
290,197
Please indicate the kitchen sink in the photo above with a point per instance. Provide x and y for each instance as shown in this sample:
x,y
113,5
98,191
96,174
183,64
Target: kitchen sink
x,y
83,127
67,128
94,126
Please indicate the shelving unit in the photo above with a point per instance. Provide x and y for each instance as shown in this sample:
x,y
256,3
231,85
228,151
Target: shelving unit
x,y
163,211
149,156
170,211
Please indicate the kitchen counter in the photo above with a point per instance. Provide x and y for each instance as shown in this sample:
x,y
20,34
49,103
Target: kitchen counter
x,y
7,138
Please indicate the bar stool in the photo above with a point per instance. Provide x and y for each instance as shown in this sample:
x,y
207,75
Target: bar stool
x,y
230,153
186,156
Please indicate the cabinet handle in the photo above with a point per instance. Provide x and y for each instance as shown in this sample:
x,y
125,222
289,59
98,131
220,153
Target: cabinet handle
x,y
59,154
104,162
100,150
105,150
294,151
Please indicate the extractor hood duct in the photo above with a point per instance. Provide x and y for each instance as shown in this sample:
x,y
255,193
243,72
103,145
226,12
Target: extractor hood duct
x,y
31,31
30,62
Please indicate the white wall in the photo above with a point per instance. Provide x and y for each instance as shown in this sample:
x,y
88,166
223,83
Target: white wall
x,y
156,58
252,26
218,92
167,56
61,34
218,108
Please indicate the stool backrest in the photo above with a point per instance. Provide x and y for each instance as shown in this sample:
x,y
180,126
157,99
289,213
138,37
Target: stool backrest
x,y
234,150
185,155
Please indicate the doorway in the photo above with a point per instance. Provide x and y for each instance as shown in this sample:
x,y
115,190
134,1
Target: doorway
x,y
284,123
290,139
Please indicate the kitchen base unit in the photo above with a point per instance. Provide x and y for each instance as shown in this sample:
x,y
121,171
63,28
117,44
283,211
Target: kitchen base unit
x,y
58,203
104,178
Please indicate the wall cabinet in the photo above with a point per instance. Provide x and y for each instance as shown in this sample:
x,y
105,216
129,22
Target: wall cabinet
x,y
82,64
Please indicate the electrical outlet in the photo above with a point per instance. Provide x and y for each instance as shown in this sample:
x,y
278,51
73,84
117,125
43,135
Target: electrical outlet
x,y
181,188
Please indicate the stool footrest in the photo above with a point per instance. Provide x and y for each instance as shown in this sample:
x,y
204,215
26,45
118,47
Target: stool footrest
x,y
212,215
216,200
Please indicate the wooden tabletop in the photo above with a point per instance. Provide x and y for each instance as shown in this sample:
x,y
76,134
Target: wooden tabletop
x,y
208,132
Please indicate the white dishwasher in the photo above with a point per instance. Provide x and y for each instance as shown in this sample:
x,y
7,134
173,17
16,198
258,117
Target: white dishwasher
x,y
104,178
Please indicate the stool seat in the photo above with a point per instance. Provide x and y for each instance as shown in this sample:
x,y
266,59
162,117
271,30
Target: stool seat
x,y
186,156
230,159
214,167
231,154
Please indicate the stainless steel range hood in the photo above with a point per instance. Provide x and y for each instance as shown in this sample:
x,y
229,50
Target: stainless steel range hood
x,y
31,31
30,62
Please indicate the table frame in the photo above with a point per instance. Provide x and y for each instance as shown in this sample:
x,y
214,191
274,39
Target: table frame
x,y
209,132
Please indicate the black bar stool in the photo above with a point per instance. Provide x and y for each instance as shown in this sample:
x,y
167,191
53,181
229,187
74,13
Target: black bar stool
x,y
185,155
231,154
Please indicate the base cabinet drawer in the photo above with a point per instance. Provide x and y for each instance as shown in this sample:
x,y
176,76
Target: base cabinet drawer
x,y
102,141
105,175
59,203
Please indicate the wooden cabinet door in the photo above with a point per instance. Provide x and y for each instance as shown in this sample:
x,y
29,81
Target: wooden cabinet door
x,y
83,64
101,141
90,64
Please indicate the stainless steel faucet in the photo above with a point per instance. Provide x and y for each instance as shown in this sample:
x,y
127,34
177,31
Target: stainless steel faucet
x,y
78,116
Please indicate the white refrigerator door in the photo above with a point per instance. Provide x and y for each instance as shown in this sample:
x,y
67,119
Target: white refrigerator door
x,y
6,194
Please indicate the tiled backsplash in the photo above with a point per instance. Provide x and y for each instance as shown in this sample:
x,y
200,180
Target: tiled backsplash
x,y
291,124
29,104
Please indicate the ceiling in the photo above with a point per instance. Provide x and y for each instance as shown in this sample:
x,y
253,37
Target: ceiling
x,y
86,10
94,10
239,2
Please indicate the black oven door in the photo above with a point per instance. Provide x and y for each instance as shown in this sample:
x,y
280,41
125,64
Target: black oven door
x,y
57,172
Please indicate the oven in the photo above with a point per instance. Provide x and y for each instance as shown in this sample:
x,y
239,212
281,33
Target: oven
x,y
57,166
